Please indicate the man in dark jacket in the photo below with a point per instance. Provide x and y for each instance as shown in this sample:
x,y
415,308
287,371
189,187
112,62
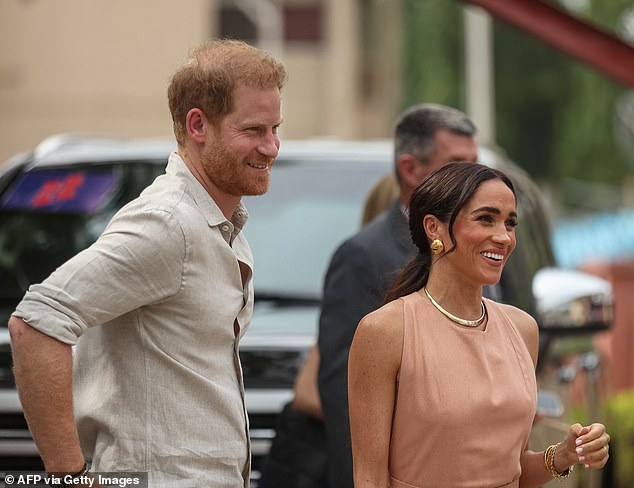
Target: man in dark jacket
x,y
427,136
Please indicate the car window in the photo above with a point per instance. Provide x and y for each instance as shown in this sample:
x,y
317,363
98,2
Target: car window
x,y
311,207
49,215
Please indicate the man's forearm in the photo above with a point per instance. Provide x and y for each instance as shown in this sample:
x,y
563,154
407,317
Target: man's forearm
x,y
43,375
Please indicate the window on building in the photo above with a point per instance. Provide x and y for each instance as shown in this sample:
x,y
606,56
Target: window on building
x,y
302,23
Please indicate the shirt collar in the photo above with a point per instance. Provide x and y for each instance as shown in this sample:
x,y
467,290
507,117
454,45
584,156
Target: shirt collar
x,y
214,216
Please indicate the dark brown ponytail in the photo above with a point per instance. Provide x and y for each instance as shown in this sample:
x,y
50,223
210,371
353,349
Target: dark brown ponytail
x,y
412,278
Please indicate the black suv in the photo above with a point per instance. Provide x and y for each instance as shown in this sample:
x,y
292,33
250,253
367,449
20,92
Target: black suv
x,y
56,200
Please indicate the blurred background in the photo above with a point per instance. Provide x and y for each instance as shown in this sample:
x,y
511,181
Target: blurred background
x,y
102,66
549,82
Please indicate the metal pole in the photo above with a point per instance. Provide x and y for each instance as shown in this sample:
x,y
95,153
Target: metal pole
x,y
591,366
479,72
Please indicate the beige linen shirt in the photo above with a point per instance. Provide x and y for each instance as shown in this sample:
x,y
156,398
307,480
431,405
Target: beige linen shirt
x,y
151,307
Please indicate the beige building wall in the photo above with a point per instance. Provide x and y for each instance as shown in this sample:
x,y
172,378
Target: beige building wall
x,y
99,66
103,66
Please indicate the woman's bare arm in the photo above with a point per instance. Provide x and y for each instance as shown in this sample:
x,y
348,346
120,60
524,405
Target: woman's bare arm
x,y
373,367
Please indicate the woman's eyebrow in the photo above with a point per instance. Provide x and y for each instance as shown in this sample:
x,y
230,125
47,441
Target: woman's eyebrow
x,y
493,210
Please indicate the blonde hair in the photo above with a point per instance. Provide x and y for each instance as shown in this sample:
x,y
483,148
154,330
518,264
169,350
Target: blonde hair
x,y
379,198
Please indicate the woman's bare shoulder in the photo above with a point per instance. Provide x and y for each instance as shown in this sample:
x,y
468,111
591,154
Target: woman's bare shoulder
x,y
384,318
383,327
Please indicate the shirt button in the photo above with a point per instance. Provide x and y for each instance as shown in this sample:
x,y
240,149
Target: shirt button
x,y
225,228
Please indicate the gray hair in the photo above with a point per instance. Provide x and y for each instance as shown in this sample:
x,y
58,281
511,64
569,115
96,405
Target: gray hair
x,y
415,129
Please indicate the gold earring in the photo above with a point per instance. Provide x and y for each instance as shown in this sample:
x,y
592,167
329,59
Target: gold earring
x,y
437,246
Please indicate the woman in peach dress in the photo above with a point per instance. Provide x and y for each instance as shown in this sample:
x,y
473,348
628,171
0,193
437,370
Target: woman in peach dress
x,y
442,389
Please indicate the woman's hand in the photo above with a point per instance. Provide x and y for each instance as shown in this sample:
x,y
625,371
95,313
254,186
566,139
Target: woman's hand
x,y
585,445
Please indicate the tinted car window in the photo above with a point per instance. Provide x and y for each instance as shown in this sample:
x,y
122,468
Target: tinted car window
x,y
49,215
293,229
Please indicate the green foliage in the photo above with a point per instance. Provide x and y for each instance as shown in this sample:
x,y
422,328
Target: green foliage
x,y
619,414
433,52
528,90
588,148
554,115
557,120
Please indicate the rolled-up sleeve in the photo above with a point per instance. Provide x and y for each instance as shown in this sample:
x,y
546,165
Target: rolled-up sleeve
x,y
137,261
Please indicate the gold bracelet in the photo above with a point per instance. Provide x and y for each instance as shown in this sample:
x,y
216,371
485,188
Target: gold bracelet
x,y
549,463
547,454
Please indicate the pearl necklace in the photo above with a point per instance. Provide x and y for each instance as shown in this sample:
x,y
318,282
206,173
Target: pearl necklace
x,y
467,323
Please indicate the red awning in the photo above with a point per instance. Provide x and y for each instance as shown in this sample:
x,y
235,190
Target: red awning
x,y
588,43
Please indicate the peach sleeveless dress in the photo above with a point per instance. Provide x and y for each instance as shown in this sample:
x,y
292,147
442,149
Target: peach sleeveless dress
x,y
465,402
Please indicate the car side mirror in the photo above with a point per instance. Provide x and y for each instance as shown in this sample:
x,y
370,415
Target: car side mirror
x,y
572,302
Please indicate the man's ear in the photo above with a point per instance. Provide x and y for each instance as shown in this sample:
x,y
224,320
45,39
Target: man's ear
x,y
197,125
407,168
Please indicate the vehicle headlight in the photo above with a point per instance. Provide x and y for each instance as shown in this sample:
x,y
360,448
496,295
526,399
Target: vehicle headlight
x,y
572,301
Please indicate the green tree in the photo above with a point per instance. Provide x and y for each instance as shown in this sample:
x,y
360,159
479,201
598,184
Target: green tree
x,y
433,53
554,115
